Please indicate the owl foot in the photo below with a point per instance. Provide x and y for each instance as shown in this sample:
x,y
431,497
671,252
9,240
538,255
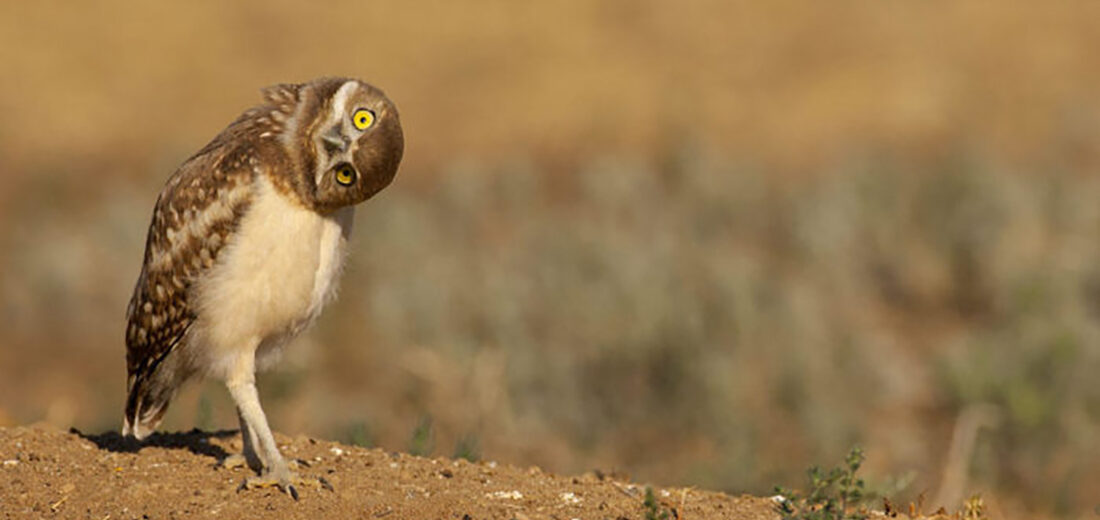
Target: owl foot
x,y
233,461
287,482
238,460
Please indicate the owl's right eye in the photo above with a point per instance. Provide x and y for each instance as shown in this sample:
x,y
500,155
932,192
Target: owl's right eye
x,y
345,175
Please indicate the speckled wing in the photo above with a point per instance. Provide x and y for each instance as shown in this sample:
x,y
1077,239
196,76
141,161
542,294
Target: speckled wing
x,y
194,217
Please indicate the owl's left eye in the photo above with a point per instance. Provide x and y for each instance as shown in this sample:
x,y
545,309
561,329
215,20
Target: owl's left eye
x,y
362,119
345,175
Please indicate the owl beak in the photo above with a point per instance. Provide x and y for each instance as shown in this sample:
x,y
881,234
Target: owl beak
x,y
335,141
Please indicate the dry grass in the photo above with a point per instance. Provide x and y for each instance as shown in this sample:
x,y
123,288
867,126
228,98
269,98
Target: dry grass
x,y
694,323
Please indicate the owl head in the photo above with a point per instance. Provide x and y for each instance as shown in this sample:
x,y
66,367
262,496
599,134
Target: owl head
x,y
344,136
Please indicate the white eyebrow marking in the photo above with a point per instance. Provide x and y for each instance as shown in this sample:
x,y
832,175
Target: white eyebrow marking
x,y
340,100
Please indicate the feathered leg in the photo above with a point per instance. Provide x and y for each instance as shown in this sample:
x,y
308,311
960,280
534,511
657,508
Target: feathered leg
x,y
248,456
248,437
260,451
259,443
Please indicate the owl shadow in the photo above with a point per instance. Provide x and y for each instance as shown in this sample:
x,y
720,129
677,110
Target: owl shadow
x,y
196,441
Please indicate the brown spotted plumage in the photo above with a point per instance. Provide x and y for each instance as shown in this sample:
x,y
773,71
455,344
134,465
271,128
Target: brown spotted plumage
x,y
245,246
180,247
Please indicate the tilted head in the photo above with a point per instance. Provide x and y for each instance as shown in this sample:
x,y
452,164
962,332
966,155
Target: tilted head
x,y
343,137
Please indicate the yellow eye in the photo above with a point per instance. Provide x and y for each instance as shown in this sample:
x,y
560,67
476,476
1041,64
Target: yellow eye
x,y
345,175
363,118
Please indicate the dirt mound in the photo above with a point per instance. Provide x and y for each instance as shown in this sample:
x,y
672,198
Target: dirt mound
x,y
45,472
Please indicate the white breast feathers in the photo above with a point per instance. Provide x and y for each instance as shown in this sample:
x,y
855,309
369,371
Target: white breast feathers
x,y
277,272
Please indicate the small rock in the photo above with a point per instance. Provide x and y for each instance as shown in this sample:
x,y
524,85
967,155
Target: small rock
x,y
514,495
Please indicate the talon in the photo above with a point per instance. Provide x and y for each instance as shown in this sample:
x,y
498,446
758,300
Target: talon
x,y
287,483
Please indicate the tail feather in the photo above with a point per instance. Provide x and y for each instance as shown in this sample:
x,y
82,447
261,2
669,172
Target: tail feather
x,y
146,404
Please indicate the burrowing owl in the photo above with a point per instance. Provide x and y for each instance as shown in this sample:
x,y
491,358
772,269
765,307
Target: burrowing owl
x,y
246,246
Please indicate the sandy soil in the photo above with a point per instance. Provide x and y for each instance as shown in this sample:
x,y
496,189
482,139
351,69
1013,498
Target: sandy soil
x,y
47,473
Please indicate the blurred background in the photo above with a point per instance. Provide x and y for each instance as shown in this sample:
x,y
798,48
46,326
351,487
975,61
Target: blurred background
x,y
702,243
